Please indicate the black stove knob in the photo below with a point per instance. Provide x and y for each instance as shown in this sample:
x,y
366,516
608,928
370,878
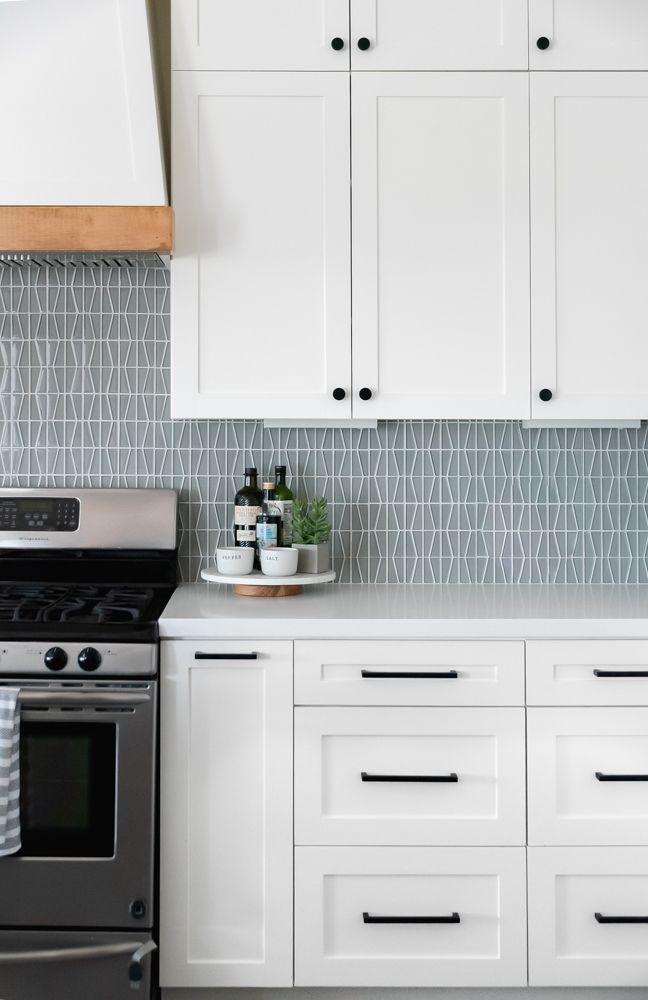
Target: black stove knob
x,y
55,658
89,659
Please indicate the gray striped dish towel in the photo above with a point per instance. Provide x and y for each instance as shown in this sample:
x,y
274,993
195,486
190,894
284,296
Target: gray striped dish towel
x,y
9,770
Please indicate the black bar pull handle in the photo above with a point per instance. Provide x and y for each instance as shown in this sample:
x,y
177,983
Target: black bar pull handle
x,y
451,918
430,674
600,776
410,777
620,673
225,656
601,918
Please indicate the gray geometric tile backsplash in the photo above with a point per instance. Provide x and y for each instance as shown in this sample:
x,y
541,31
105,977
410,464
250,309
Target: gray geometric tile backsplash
x,y
84,401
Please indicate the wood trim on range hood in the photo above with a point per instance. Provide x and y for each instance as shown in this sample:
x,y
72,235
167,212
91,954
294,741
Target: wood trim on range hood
x,y
86,228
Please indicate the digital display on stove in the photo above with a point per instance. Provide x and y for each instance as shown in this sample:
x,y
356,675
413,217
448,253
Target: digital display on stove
x,y
39,514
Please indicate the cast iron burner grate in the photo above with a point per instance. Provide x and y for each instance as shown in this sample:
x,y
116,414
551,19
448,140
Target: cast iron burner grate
x,y
83,604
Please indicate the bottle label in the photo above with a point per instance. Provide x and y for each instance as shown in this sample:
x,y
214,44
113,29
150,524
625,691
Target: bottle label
x,y
267,536
245,536
246,515
285,508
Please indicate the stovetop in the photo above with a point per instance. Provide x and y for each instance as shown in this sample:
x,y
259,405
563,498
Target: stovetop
x,y
94,605
81,611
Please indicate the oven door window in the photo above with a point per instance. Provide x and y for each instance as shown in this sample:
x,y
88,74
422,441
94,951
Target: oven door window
x,y
67,789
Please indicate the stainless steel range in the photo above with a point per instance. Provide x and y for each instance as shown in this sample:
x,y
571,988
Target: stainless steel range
x,y
84,576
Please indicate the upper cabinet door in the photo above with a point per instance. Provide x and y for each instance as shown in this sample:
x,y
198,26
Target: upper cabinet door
x,y
260,304
589,219
260,34
588,34
440,245
439,34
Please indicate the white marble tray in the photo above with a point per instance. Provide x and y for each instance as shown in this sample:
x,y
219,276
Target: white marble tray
x,y
257,579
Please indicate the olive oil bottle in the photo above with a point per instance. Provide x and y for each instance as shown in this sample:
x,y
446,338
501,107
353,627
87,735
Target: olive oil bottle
x,y
284,500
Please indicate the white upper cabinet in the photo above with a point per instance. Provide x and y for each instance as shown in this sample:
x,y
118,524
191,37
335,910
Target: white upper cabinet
x,y
78,107
260,303
439,34
260,34
440,245
588,34
589,218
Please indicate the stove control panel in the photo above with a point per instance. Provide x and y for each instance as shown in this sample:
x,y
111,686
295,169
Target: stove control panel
x,y
39,514
77,659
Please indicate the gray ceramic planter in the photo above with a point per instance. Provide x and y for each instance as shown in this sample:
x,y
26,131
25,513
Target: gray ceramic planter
x,y
314,558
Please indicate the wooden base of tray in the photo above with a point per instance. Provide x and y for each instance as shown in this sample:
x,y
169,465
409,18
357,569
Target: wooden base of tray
x,y
283,591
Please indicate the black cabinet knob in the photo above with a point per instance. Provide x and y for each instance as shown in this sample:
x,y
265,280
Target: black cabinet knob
x,y
339,394
337,44
545,395
543,43
364,44
365,394
55,658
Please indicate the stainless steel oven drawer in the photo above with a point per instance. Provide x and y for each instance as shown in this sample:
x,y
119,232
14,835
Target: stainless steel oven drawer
x,y
72,965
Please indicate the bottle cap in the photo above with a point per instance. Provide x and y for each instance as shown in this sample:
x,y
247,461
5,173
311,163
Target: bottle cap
x,y
250,471
280,468
268,486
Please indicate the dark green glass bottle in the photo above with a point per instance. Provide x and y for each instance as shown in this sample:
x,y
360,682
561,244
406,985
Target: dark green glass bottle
x,y
284,500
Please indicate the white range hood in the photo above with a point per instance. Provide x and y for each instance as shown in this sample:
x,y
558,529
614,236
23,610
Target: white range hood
x,y
80,127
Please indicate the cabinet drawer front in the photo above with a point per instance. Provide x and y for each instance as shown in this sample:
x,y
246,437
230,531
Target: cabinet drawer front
x,y
409,776
475,897
589,34
568,945
359,672
588,775
590,672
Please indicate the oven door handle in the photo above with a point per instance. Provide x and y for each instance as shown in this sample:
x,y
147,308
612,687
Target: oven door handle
x,y
30,697
136,949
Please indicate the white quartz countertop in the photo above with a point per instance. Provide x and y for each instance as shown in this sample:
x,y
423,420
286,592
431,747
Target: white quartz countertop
x,y
411,611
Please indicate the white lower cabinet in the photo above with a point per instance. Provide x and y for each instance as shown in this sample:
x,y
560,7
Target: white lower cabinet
x,y
588,916
401,859
226,814
426,917
409,776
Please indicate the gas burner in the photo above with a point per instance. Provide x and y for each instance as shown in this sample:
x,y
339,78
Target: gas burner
x,y
82,604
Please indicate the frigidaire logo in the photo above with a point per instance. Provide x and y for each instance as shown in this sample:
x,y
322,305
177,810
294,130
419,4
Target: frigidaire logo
x,y
30,538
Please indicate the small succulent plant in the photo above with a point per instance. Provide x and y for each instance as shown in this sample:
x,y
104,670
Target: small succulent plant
x,y
311,525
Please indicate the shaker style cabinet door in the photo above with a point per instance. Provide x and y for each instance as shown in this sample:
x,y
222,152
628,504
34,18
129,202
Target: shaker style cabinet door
x,y
440,245
226,915
589,218
587,776
260,34
588,34
439,34
415,917
260,280
580,899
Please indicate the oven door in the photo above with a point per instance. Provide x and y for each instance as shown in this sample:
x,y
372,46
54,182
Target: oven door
x,y
87,793
72,965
